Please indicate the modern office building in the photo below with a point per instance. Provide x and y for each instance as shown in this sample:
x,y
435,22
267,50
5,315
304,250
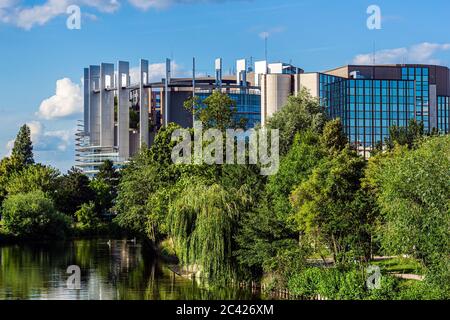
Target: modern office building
x,y
120,117
105,133
371,99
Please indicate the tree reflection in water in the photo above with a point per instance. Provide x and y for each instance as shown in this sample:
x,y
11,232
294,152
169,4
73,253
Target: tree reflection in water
x,y
110,270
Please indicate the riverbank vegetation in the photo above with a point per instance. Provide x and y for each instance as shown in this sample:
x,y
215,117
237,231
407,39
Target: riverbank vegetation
x,y
317,227
37,202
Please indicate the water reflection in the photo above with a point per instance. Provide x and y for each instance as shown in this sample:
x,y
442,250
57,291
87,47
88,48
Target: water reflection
x,y
110,270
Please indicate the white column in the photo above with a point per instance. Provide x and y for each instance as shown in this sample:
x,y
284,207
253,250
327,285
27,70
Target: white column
x,y
123,109
107,105
94,105
144,135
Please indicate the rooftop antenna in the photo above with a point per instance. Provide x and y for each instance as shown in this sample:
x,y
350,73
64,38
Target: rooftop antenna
x,y
266,36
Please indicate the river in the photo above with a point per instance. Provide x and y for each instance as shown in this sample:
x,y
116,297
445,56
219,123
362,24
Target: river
x,y
110,270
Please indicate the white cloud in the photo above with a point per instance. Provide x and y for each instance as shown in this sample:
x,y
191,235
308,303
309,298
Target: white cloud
x,y
66,102
44,140
159,4
61,139
27,17
7,3
147,4
419,53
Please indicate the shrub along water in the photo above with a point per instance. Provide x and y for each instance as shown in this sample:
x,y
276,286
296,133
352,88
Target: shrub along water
x,y
33,215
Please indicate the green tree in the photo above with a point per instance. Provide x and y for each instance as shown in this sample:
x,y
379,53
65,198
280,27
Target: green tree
x,y
268,238
73,190
216,111
108,173
104,186
7,167
33,215
301,113
326,209
87,216
295,167
203,222
145,186
333,138
406,136
23,147
33,178
413,195
104,196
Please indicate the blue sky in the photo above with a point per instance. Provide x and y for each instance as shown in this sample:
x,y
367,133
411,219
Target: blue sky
x,y
38,51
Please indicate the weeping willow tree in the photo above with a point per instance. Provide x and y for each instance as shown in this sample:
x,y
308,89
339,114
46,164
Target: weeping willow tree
x,y
203,223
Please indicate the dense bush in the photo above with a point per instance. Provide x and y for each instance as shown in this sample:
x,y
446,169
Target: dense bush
x,y
306,284
336,284
414,198
87,217
390,289
423,290
32,178
33,215
328,283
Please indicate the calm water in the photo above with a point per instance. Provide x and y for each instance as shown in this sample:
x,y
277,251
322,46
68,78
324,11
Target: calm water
x,y
109,271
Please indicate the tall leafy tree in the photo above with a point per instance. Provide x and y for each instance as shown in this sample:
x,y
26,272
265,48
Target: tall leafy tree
x,y
108,173
406,136
145,186
33,178
8,166
301,112
23,147
203,221
73,190
326,208
105,186
33,215
414,198
268,239
216,111
333,138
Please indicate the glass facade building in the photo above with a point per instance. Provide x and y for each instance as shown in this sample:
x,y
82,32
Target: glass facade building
x,y
368,108
443,114
422,91
372,100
